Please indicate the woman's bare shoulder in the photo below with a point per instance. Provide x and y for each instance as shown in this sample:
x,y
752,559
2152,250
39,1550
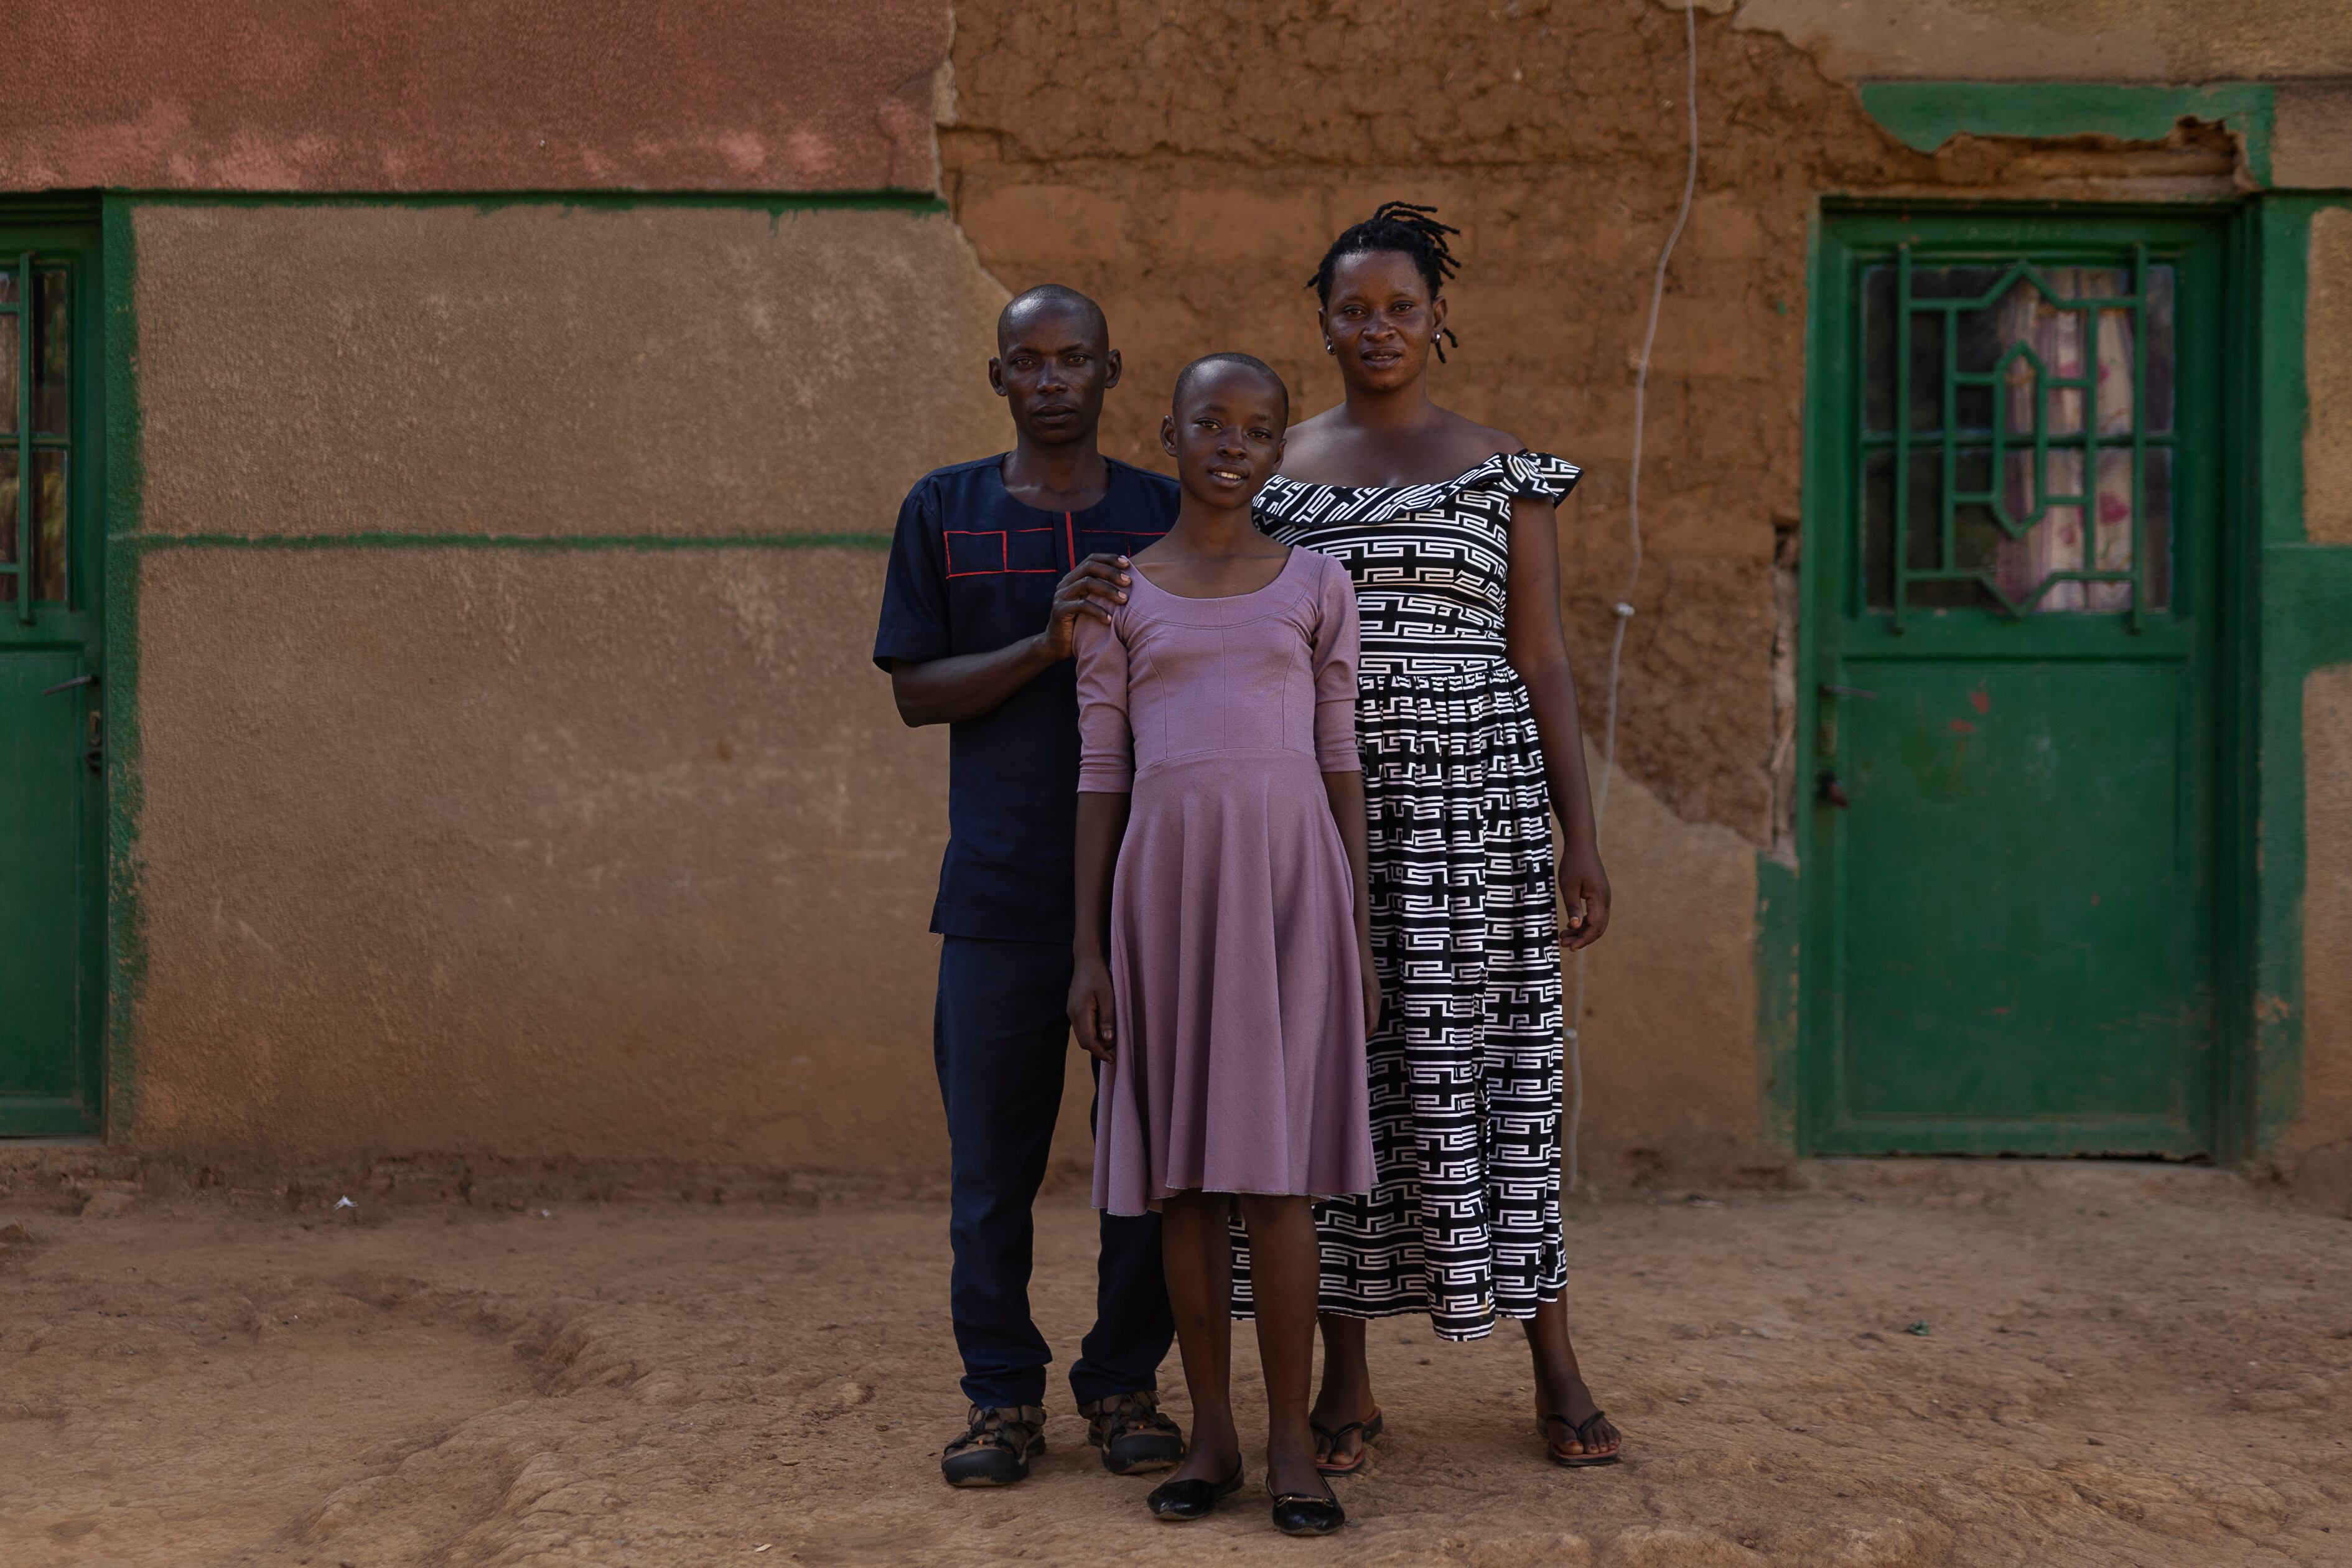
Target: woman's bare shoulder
x,y
1475,443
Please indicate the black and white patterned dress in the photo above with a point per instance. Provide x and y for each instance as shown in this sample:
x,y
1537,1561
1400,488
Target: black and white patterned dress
x,y
1466,1066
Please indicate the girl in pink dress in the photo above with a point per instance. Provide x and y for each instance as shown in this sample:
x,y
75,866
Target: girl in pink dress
x,y
1223,974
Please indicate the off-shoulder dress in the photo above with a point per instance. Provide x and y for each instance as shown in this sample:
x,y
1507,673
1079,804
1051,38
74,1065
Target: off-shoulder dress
x,y
1465,1223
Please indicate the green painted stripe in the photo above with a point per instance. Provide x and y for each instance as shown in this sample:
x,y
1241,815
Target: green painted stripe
x,y
1924,115
773,203
537,542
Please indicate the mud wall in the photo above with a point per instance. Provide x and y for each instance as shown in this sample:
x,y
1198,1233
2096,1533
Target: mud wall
x,y
2081,40
1187,165
498,95
515,781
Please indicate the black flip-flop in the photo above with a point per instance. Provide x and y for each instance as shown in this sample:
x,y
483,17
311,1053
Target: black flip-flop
x,y
1582,1432
1370,1427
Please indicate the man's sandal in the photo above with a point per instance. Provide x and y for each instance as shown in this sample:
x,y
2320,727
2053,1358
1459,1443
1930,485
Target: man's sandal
x,y
996,1450
1134,1436
1329,1438
1582,1432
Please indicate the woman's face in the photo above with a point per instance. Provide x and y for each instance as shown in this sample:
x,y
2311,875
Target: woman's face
x,y
1381,320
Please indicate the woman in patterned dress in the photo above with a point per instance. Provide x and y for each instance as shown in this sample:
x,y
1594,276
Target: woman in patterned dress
x,y
1470,739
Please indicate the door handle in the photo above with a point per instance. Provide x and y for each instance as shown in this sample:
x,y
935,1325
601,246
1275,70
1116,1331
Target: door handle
x,y
69,685
1832,790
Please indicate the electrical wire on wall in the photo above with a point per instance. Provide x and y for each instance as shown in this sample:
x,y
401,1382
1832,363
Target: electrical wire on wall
x,y
1624,606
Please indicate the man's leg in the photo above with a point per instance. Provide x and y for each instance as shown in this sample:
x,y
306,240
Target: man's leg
x,y
1116,1375
998,1037
1133,1325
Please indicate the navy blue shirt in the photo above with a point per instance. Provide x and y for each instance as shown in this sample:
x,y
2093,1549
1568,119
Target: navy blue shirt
x,y
972,570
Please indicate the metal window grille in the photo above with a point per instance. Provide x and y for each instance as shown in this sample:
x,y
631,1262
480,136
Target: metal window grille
x,y
1985,454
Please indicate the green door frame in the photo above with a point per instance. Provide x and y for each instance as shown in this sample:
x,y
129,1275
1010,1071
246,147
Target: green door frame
x,y
1791,1099
72,227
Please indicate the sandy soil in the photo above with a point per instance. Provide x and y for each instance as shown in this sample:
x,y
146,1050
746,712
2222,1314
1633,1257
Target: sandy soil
x,y
1951,1364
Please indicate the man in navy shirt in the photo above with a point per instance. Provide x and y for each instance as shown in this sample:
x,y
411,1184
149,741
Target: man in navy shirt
x,y
992,563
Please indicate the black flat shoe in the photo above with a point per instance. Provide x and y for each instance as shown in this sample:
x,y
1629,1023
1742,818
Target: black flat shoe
x,y
1303,1513
1178,1502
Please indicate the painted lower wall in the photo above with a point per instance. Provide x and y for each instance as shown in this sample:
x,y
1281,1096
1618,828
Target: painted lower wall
x,y
2315,1150
546,369
515,780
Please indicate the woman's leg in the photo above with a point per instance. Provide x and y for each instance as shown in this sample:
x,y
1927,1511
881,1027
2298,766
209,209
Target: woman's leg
x,y
1560,1384
1197,1256
1284,1275
1346,1395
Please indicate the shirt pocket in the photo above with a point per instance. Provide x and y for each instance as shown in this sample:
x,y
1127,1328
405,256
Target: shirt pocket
x,y
974,553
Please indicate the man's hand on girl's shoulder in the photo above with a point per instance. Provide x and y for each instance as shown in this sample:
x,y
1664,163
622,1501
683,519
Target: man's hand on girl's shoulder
x,y
1095,586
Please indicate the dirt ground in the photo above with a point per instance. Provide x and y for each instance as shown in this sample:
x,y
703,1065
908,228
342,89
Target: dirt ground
x,y
1933,1363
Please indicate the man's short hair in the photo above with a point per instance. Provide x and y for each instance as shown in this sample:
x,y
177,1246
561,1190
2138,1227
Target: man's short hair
x,y
1046,295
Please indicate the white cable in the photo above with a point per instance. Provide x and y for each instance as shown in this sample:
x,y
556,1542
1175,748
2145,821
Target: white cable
x,y
1625,606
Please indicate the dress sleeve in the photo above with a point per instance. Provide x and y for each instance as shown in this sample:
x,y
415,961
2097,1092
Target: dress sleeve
x,y
1539,475
1338,652
914,624
1106,743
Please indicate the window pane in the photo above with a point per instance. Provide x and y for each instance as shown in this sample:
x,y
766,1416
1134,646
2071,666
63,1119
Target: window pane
x,y
52,349
1924,552
49,554
1878,350
1878,531
2158,528
8,513
9,326
2046,520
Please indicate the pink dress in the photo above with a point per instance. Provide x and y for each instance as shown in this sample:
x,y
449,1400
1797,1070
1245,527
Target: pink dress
x,y
1233,938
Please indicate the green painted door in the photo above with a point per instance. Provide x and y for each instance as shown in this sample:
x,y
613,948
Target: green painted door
x,y
51,717
2013,611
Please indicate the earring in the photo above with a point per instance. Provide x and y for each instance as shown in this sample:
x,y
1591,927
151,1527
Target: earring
x,y
1329,349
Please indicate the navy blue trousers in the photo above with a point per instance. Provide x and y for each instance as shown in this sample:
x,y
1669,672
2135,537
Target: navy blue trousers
x,y
1001,1035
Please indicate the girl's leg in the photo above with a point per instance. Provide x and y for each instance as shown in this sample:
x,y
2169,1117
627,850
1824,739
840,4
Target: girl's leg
x,y
1284,1276
1196,1253
1346,1395
1560,1384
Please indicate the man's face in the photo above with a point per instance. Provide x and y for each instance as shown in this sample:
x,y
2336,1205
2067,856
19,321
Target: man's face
x,y
1053,365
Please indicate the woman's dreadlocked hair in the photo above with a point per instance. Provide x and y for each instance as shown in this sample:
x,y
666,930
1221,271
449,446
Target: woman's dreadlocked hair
x,y
1409,230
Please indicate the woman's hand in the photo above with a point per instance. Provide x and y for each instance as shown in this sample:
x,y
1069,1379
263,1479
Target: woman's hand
x,y
1371,988
1584,889
1092,1015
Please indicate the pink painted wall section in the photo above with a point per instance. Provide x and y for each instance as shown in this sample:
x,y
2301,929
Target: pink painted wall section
x,y
472,95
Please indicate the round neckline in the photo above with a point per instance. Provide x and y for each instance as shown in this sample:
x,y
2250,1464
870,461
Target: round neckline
x,y
1110,483
1485,462
1145,577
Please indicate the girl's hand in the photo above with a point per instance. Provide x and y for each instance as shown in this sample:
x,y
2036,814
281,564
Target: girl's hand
x,y
1091,1012
1584,889
1371,992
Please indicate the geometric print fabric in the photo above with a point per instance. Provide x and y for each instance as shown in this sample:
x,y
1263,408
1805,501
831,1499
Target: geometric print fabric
x,y
1464,1222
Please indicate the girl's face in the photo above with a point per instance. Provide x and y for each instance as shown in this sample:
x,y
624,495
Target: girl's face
x,y
1225,434
1383,319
